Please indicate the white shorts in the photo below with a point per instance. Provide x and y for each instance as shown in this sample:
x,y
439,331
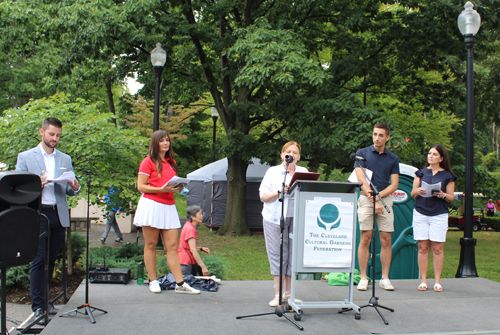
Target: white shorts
x,y
157,215
431,228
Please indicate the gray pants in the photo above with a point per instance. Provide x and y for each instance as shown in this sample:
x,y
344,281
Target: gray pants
x,y
111,222
272,236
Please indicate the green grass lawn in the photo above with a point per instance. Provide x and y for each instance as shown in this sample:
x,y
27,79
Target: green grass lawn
x,y
246,259
486,251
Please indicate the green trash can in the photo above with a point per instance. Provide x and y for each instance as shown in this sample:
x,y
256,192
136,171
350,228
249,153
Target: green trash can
x,y
404,263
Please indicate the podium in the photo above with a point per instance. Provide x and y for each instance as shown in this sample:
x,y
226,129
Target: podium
x,y
324,235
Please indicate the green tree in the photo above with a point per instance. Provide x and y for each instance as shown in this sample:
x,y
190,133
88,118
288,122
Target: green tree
x,y
279,71
110,155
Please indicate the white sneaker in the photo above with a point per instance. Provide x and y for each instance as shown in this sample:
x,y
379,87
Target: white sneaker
x,y
154,286
185,288
363,284
386,285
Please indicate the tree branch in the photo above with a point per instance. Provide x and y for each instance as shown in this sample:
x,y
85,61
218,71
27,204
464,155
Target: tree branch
x,y
105,79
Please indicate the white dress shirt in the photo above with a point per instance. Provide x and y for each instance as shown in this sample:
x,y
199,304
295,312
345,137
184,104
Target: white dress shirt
x,y
48,191
272,182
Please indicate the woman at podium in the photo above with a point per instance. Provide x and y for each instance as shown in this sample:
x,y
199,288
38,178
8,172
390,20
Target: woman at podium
x,y
269,192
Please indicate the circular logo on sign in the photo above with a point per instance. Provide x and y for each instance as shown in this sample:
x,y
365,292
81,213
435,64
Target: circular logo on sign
x,y
329,217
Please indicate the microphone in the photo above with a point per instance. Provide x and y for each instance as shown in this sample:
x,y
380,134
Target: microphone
x,y
288,159
354,157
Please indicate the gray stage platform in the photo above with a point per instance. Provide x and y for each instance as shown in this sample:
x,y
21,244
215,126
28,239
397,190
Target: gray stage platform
x,y
467,306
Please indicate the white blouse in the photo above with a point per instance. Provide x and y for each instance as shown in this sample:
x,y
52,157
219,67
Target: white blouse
x,y
272,182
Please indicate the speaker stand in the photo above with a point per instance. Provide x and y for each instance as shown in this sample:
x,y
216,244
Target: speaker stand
x,y
3,330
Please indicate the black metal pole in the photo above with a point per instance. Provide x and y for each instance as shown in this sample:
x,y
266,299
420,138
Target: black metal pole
x,y
158,70
87,250
3,330
156,124
467,266
213,142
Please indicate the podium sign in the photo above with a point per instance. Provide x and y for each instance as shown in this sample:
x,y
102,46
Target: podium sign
x,y
328,233
323,235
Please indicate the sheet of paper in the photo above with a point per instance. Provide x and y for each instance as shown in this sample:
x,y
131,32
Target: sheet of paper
x,y
68,176
428,188
177,180
354,179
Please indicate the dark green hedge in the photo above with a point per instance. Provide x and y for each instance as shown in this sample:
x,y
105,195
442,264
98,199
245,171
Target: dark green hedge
x,y
492,222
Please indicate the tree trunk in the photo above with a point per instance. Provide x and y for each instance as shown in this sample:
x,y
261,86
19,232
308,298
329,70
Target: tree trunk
x,y
235,221
110,100
495,139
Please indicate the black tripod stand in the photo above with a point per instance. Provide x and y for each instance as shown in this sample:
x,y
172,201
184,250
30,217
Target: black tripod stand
x,y
86,306
280,310
373,300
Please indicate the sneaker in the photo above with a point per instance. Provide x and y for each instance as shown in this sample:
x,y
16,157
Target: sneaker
x,y
185,288
52,310
363,284
386,285
154,286
39,315
119,239
102,240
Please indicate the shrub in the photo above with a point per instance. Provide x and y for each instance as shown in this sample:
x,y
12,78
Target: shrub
x,y
18,277
161,266
78,246
131,251
130,255
215,265
492,222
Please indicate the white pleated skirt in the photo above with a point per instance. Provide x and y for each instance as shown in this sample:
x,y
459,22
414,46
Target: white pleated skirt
x,y
156,215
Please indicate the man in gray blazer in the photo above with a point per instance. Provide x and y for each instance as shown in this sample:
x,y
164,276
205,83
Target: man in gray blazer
x,y
49,163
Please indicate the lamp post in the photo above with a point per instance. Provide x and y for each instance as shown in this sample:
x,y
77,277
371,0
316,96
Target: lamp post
x,y
469,22
215,115
158,59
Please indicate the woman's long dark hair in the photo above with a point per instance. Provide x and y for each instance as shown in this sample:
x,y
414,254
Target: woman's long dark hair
x,y
154,151
445,164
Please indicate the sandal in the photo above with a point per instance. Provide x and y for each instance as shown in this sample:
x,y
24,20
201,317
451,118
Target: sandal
x,y
422,287
438,288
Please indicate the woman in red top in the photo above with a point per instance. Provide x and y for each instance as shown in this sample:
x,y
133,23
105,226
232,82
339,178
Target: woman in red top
x,y
188,248
156,212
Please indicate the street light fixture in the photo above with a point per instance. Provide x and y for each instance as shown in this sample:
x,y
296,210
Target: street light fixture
x,y
469,22
215,115
158,59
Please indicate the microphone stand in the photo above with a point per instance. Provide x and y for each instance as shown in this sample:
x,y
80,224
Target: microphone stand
x,y
88,309
373,302
280,309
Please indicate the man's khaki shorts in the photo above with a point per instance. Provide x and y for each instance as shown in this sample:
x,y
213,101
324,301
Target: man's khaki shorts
x,y
385,221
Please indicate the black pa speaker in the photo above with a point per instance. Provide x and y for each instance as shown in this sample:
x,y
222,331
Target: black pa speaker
x,y
20,199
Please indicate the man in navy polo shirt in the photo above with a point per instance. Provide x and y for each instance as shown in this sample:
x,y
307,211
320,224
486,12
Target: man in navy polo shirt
x,y
385,167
